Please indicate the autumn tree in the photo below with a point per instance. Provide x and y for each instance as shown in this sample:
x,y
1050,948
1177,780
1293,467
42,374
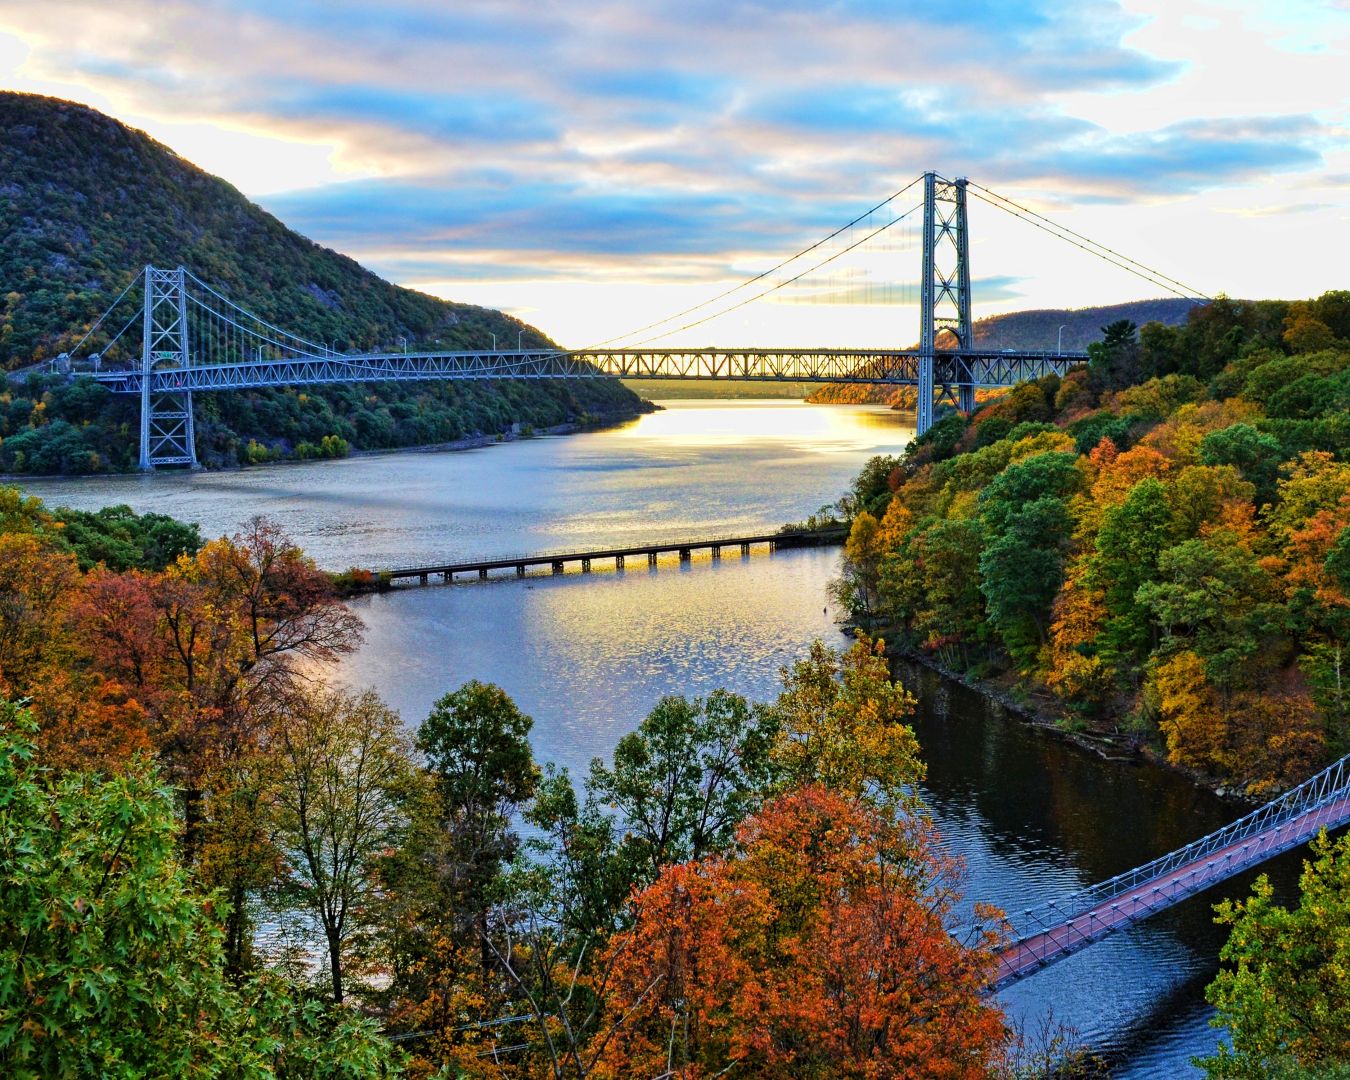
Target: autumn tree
x,y
819,947
840,722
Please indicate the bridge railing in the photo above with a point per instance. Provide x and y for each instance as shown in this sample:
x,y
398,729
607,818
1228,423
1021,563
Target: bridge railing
x,y
1087,914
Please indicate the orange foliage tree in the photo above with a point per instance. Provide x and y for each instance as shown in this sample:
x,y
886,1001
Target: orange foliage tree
x,y
821,948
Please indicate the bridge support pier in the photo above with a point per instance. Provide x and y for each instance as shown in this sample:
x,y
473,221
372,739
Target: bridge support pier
x,y
482,575
557,567
448,577
585,566
716,552
684,555
618,562
651,559
965,398
423,578
745,551
520,569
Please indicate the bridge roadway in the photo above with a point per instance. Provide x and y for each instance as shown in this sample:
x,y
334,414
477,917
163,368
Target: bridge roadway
x,y
1323,802
900,367
558,560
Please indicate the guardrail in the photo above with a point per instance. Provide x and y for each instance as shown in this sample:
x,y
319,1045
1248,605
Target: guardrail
x,y
1058,928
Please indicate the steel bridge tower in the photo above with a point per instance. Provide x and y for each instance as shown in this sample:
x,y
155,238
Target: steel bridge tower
x,y
166,414
944,299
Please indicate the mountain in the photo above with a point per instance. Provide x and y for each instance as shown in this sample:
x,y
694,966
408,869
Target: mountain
x,y
86,201
1022,330
1039,329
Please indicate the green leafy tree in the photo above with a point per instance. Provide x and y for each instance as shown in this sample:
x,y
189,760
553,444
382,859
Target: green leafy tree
x,y
1284,998
111,964
1132,538
1254,453
1213,596
344,775
685,778
1027,524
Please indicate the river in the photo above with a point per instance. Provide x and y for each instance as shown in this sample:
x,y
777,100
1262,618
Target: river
x,y
587,656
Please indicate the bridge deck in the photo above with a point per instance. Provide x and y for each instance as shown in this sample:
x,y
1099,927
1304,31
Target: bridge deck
x,y
1032,953
557,559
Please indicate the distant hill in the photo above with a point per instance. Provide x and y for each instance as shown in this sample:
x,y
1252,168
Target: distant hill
x,y
1039,329
86,201
1022,330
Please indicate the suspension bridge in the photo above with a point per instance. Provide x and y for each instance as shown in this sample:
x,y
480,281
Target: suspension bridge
x,y
1044,935
179,336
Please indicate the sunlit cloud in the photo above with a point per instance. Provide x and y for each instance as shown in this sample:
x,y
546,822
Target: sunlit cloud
x,y
506,144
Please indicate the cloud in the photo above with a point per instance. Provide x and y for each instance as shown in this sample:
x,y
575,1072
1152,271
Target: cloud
x,y
672,140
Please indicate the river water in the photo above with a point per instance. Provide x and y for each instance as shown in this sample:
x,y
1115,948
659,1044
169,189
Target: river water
x,y
588,655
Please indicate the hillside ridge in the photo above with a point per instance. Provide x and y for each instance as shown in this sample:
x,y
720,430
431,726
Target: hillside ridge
x,y
86,201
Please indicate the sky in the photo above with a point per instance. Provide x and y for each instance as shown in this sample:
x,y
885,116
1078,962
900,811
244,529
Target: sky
x,y
594,165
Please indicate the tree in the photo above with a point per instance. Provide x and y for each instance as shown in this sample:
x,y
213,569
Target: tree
x,y
285,605
819,947
1285,1000
1132,538
685,778
840,725
477,748
1212,594
110,962
1255,454
1024,513
343,773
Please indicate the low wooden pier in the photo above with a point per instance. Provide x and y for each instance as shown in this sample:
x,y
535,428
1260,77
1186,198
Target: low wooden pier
x,y
557,561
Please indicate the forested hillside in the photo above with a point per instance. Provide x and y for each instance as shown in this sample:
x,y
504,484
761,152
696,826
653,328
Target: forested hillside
x,y
85,202
1161,539
1021,330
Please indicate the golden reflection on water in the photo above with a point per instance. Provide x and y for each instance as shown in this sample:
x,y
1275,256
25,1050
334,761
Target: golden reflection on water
x,y
806,427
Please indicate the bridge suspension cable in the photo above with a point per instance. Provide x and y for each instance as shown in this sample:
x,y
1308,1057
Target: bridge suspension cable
x,y
767,273
108,311
787,281
1083,243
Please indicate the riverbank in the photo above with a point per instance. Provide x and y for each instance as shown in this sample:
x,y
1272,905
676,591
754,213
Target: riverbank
x,y
469,442
1044,714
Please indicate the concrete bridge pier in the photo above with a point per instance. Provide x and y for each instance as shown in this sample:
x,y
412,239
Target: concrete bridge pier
x,y
423,578
651,559
482,575
557,566
618,562
745,551
716,552
520,569
585,566
684,555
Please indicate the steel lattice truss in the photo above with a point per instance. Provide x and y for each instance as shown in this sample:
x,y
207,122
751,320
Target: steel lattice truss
x,y
981,369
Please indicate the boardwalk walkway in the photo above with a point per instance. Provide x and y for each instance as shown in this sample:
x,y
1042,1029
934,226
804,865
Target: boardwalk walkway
x,y
557,561
1060,928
